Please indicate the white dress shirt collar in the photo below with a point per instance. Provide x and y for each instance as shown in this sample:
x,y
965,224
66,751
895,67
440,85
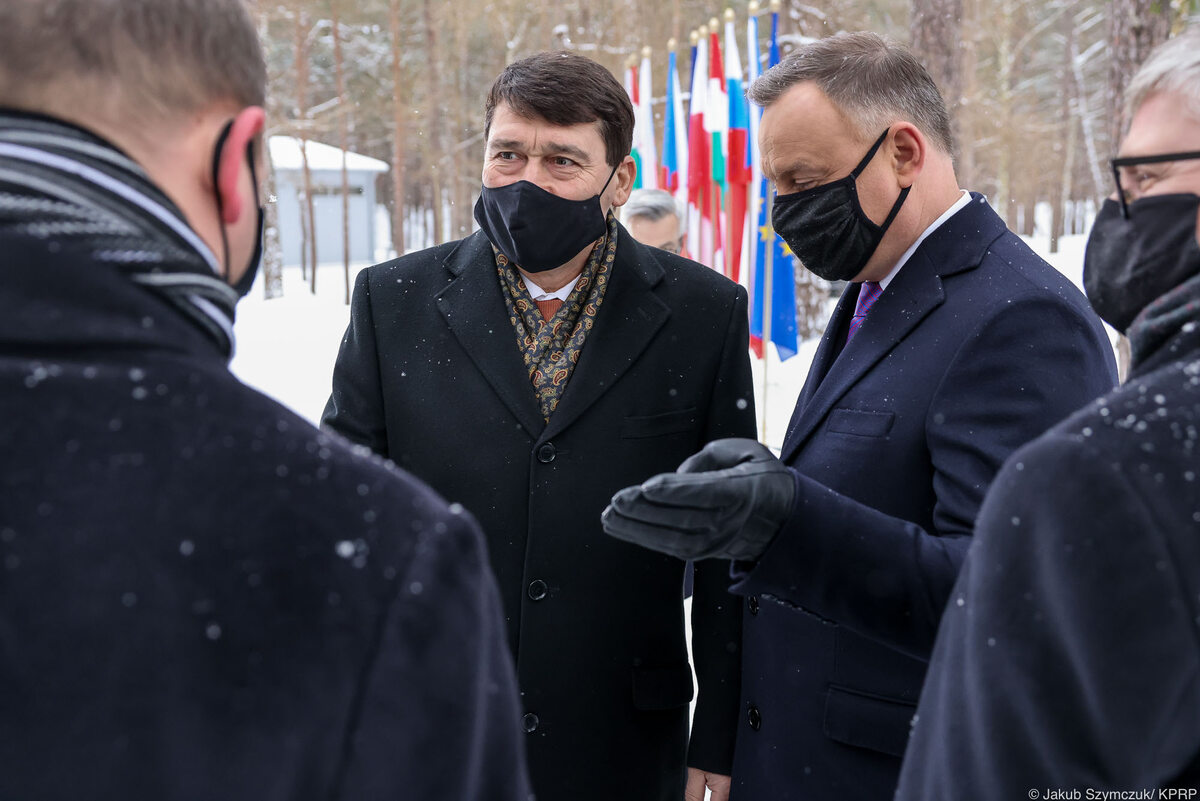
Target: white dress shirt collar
x,y
537,293
959,204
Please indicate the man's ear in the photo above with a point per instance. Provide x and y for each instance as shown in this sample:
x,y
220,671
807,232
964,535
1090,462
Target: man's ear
x,y
626,173
246,127
909,149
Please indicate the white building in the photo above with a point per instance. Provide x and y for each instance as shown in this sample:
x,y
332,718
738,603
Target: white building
x,y
325,168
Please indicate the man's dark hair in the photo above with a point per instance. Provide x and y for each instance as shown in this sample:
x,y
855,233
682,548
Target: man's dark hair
x,y
566,89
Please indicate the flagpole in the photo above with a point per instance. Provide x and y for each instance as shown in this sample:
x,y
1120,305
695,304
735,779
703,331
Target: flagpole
x,y
728,251
715,205
768,275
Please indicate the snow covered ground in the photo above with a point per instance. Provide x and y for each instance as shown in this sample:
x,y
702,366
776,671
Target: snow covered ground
x,y
286,347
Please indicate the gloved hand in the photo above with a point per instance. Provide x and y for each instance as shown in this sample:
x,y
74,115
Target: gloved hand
x,y
728,501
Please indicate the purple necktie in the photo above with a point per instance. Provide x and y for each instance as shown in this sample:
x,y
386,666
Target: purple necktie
x,y
868,293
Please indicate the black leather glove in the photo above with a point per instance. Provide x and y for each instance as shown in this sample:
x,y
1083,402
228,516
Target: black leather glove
x,y
728,501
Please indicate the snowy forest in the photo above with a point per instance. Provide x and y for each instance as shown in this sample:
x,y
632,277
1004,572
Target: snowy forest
x,y
1032,84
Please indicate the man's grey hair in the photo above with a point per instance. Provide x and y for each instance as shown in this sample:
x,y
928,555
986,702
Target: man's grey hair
x,y
128,61
653,205
1173,66
872,80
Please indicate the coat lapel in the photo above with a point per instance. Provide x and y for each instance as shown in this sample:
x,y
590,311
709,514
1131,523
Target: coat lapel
x,y
473,307
958,245
629,317
827,352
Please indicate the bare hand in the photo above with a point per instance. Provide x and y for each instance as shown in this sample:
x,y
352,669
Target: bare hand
x,y
698,781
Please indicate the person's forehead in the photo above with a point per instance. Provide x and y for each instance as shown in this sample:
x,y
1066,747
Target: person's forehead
x,y
663,229
803,126
536,133
1162,124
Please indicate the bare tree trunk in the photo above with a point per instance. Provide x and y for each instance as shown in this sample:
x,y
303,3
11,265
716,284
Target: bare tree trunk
x,y
310,213
304,237
1099,183
459,169
398,132
1029,200
1135,28
964,123
935,33
343,113
301,112
1006,58
272,258
272,262
1070,125
433,124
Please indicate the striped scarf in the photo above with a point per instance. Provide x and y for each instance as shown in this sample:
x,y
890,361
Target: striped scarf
x,y
61,184
551,348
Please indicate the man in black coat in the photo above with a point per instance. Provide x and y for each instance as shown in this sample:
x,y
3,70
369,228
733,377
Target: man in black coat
x,y
953,345
201,596
528,372
1068,658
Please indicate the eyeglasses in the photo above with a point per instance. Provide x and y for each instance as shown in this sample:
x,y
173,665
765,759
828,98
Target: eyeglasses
x,y
1126,195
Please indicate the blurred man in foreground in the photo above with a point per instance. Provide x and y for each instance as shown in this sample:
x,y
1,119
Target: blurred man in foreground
x,y
1068,658
202,596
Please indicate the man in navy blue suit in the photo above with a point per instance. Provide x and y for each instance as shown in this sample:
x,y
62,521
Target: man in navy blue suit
x,y
952,346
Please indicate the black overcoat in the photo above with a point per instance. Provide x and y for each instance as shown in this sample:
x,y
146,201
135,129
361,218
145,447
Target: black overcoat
x,y
202,596
430,374
976,347
1068,659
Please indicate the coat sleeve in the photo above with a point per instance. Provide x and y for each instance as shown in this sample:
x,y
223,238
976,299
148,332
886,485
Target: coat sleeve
x,y
1020,372
1067,657
716,614
437,715
355,408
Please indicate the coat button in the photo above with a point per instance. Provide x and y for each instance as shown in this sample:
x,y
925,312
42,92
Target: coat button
x,y
546,453
752,602
754,716
531,722
537,589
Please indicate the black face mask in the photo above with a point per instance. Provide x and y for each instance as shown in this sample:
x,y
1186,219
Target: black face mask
x,y
538,230
1129,263
243,284
827,228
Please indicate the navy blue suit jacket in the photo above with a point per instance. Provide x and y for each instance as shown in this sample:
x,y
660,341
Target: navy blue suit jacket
x,y
976,347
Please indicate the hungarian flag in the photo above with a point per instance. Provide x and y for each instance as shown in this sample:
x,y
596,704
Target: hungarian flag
x,y
631,89
768,247
716,122
737,155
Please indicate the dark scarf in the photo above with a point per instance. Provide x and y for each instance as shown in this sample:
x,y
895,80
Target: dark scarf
x,y
67,187
551,348
1167,329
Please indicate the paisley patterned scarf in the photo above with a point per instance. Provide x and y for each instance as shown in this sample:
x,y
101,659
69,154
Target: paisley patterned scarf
x,y
551,348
